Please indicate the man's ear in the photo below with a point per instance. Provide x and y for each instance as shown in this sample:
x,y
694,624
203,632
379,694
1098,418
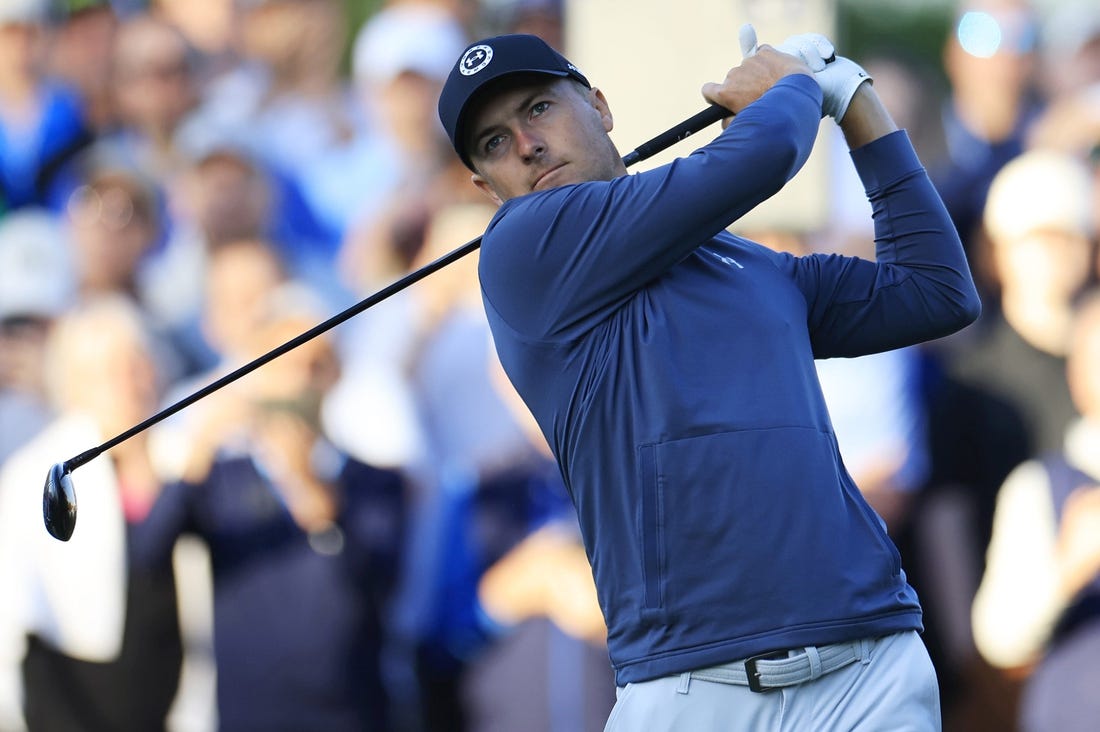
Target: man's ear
x,y
599,101
484,187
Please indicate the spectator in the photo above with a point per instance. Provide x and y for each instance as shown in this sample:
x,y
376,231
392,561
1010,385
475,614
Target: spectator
x,y
546,665
240,279
465,419
113,218
36,286
81,47
241,276
990,60
287,96
209,27
1038,219
304,545
43,124
89,637
303,107
221,196
476,483
1071,121
400,59
542,18
1071,47
1010,381
400,55
226,194
1038,607
1001,397
155,89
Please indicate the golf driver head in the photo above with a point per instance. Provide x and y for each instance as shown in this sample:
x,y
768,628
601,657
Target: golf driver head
x,y
59,503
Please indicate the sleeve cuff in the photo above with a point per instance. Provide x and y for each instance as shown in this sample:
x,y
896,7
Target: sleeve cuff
x,y
885,160
805,83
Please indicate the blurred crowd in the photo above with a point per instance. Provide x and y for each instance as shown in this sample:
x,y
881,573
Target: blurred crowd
x,y
368,533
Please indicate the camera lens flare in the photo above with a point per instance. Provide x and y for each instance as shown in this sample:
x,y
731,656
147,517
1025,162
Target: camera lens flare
x,y
979,34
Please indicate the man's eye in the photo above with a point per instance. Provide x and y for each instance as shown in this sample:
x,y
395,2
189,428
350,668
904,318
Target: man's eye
x,y
539,108
493,143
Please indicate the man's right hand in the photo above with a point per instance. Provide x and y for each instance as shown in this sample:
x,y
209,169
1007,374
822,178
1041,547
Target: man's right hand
x,y
760,69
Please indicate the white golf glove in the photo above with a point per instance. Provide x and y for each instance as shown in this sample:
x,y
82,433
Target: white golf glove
x,y
838,77
839,81
746,35
813,48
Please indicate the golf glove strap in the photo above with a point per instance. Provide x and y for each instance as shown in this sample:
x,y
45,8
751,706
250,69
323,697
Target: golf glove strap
x,y
837,76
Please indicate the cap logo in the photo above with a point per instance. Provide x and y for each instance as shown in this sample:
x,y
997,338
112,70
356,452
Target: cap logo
x,y
475,59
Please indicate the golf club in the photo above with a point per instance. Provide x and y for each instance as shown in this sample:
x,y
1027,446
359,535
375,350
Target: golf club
x,y
59,496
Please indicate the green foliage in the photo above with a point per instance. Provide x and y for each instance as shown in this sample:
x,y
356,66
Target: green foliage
x,y
357,11
913,28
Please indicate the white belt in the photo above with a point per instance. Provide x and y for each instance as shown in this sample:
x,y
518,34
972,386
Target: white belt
x,y
774,670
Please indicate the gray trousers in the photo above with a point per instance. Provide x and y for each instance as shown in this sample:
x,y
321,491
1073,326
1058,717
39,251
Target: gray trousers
x,y
888,683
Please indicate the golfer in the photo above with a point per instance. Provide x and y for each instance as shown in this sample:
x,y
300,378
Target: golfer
x,y
745,583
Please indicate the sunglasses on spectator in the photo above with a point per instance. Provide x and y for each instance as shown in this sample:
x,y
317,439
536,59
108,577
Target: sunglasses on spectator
x,y
111,206
23,325
167,70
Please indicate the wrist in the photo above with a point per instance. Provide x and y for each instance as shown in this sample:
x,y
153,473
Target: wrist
x,y
866,118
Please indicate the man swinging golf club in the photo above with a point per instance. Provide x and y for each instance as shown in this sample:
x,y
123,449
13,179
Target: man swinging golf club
x,y
745,582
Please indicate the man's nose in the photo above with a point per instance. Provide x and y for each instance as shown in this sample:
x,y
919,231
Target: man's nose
x,y
530,146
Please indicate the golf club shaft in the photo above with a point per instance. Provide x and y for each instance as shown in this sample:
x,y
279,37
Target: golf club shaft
x,y
670,137
335,320
666,139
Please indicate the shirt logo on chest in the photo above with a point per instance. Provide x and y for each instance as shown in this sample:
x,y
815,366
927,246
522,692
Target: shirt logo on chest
x,y
728,261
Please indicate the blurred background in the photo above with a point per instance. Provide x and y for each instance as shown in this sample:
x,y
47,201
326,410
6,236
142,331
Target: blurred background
x,y
369,533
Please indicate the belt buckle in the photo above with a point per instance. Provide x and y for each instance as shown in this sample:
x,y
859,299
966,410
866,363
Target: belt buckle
x,y
753,676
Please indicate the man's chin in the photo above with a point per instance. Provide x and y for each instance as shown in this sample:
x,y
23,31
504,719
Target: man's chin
x,y
551,179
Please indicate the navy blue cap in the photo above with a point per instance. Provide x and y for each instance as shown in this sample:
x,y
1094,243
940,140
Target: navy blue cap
x,y
488,60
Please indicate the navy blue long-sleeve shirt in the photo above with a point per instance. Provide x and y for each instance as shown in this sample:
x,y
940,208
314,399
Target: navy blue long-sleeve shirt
x,y
670,367
297,627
